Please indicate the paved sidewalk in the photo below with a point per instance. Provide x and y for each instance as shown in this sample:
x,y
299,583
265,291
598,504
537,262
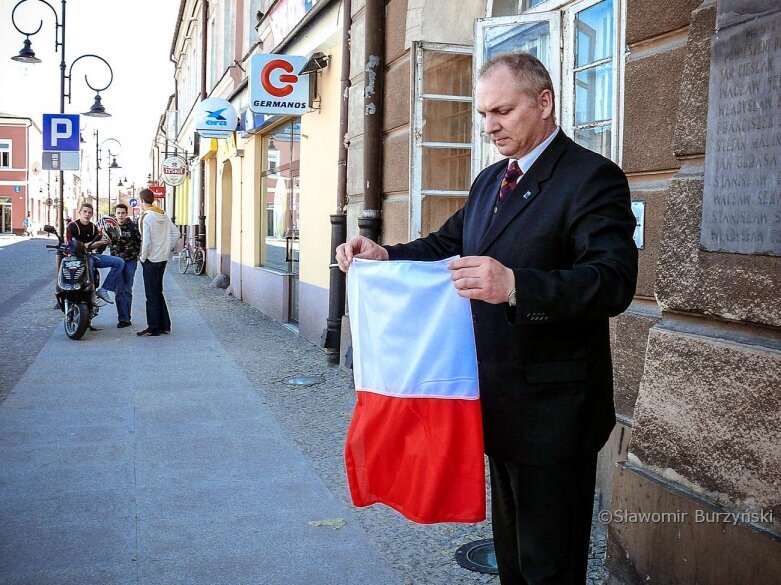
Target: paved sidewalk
x,y
155,460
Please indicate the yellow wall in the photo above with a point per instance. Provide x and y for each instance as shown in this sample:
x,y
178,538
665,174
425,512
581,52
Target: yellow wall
x,y
250,200
319,170
210,167
183,198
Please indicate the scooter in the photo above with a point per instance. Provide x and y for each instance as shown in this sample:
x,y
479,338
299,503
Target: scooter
x,y
75,287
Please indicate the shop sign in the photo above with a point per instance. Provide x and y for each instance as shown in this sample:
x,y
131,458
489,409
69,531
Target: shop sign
x,y
275,85
158,190
215,118
174,171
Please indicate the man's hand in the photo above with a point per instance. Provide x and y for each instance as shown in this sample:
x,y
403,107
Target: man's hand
x,y
359,247
482,278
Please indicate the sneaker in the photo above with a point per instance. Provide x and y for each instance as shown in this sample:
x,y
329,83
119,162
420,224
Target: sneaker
x,y
103,294
122,324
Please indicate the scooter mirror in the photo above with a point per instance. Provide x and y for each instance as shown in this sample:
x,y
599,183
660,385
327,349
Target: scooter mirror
x,y
49,229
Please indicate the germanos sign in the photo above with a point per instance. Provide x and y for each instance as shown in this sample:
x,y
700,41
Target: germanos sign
x,y
276,86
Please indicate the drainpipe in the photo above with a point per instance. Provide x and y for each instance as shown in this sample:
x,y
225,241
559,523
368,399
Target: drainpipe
x,y
201,232
330,340
172,211
370,220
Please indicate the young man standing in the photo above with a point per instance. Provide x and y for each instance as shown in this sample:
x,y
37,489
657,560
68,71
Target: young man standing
x,y
127,246
158,236
84,231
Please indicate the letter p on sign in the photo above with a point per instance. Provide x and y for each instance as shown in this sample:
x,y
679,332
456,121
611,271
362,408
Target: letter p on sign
x,y
62,129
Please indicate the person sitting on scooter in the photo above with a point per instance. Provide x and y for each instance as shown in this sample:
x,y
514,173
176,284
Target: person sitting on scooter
x,y
84,231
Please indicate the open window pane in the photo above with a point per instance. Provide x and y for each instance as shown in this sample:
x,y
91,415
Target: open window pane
x,y
594,94
437,209
447,73
594,33
446,169
445,121
532,37
598,139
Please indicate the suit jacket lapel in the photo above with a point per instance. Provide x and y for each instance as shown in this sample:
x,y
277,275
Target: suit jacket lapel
x,y
528,188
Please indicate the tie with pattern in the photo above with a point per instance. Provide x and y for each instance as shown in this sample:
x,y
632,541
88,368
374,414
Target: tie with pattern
x,y
510,179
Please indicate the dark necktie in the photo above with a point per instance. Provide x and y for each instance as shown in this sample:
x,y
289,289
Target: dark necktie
x,y
510,179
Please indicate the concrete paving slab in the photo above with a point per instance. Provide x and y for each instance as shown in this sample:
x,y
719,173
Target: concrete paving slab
x,y
114,575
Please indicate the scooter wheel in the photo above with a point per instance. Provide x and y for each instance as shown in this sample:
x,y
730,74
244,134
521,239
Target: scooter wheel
x,y
77,320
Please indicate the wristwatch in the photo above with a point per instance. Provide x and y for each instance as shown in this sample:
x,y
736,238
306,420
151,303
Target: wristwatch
x,y
511,299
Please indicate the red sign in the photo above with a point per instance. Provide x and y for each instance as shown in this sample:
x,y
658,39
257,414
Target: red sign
x,y
268,85
159,191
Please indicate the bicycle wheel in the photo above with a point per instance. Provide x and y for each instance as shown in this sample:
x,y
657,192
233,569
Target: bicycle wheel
x,y
199,261
184,260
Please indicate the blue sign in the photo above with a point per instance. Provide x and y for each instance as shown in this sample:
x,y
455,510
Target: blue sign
x,y
61,132
17,189
133,202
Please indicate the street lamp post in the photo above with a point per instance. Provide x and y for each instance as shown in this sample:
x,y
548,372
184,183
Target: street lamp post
x,y
27,55
113,165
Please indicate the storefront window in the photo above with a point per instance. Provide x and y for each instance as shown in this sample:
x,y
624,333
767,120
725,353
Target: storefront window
x,y
280,188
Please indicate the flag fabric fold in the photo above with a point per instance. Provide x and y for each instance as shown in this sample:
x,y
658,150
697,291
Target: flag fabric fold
x,y
415,442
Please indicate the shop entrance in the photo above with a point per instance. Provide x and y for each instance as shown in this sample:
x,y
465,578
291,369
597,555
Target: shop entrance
x,y
5,215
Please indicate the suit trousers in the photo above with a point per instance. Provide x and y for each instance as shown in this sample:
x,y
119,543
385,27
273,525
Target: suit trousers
x,y
541,519
157,318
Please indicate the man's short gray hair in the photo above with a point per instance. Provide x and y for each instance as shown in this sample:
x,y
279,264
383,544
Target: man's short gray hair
x,y
531,74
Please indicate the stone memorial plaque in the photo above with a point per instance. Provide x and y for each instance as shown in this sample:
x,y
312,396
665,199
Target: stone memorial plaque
x,y
741,209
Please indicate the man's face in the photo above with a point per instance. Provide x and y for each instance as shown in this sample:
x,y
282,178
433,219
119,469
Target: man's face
x,y
511,118
85,214
121,214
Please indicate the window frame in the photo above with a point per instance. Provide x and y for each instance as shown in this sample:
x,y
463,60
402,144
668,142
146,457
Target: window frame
x,y
7,145
563,79
417,100
554,18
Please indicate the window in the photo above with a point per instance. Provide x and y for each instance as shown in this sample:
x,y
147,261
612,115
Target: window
x,y
441,134
579,44
228,35
577,40
282,147
212,63
5,154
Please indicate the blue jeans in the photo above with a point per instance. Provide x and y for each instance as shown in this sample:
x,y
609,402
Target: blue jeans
x,y
124,297
114,262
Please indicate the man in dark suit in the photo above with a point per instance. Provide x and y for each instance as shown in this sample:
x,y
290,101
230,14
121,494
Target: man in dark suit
x,y
547,256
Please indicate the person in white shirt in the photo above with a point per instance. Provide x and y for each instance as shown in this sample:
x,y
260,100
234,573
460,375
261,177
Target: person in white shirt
x,y
158,236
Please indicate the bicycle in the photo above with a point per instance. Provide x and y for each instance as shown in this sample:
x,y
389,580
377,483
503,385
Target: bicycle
x,y
192,253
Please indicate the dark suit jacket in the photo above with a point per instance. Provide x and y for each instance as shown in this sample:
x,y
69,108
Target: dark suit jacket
x,y
546,380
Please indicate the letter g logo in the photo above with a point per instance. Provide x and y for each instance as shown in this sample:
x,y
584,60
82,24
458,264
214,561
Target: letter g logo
x,y
288,80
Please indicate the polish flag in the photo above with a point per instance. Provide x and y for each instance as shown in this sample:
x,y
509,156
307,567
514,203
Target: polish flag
x,y
415,441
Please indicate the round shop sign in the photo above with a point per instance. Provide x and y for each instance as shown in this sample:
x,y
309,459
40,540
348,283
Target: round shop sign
x,y
174,170
215,118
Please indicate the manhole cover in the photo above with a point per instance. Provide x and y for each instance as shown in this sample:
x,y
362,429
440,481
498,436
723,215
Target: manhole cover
x,y
478,556
305,381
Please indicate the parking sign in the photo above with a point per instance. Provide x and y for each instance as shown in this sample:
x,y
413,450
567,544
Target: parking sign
x,y
61,142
